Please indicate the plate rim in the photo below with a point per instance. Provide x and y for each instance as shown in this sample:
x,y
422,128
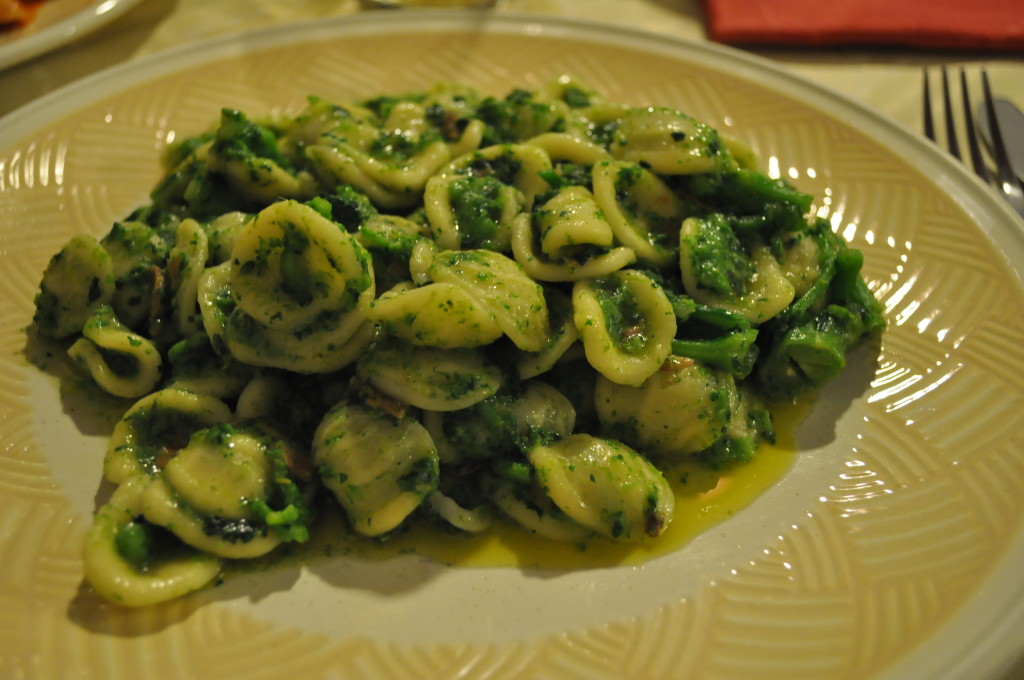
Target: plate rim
x,y
979,202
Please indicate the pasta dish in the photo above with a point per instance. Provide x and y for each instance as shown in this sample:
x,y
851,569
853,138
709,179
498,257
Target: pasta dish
x,y
440,307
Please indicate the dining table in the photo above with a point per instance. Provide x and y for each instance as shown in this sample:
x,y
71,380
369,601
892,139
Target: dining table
x,y
883,78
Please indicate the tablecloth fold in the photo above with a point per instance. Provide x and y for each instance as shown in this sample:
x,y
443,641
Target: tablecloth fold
x,y
940,24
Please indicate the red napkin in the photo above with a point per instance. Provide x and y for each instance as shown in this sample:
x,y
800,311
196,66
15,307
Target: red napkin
x,y
940,24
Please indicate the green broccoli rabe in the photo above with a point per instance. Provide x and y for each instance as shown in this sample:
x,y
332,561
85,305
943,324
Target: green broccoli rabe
x,y
727,452
805,346
734,353
748,191
195,356
385,238
347,206
773,218
850,290
683,306
449,124
422,478
721,263
808,355
489,429
286,523
504,167
321,205
517,117
134,543
622,315
603,134
707,321
576,97
163,222
398,148
754,201
746,430
712,335
563,175
513,470
179,151
239,138
287,510
476,203
144,545
193,189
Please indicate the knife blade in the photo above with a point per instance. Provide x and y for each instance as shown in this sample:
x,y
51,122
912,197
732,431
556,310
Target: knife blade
x,y
1011,125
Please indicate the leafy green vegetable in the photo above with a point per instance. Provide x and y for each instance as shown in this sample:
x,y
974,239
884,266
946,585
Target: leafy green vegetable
x,y
806,346
720,261
476,202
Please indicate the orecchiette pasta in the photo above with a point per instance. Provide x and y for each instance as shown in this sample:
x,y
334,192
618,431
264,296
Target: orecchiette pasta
x,y
626,323
440,307
251,163
123,363
640,208
532,509
571,221
676,412
123,564
568,148
541,268
155,428
666,141
135,250
185,266
431,378
379,468
515,301
605,486
435,315
563,336
78,279
235,491
519,165
291,266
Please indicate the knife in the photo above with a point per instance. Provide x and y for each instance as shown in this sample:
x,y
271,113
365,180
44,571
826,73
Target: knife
x,y
1011,125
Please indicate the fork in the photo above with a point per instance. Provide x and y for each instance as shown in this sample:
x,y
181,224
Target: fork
x,y
1005,181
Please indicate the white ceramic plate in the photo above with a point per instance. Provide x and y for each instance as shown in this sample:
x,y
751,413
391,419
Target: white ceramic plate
x,y
892,549
58,23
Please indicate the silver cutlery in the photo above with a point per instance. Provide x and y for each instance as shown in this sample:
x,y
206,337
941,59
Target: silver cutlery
x,y
1011,124
1004,179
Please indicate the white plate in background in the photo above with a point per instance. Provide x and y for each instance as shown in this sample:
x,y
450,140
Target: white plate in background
x,y
57,23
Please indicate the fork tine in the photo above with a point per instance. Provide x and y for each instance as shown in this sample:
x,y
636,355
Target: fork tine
x,y
929,123
947,106
977,160
1006,176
